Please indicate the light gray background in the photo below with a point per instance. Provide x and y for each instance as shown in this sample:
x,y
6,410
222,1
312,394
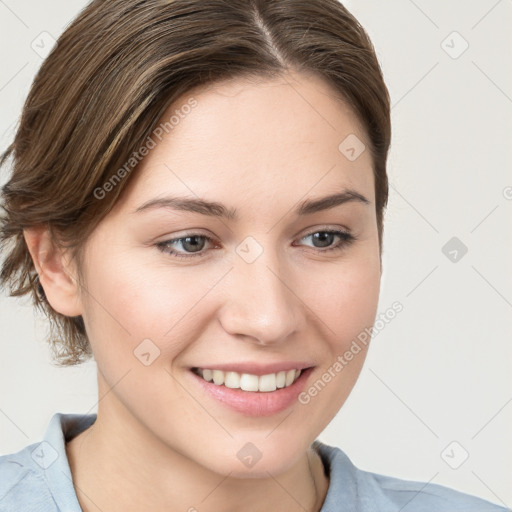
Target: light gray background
x,y
440,371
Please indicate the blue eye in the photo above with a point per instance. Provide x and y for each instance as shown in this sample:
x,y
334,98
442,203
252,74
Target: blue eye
x,y
196,242
189,240
327,235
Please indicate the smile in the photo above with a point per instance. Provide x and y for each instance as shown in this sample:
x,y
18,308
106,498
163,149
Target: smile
x,y
250,388
247,381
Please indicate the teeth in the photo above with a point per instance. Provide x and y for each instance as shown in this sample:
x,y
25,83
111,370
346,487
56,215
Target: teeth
x,y
207,375
281,379
218,377
290,376
232,380
249,382
267,382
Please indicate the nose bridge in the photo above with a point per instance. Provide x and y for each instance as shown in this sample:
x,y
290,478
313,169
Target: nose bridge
x,y
260,303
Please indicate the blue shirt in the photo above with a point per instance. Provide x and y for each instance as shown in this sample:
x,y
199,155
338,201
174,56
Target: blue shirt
x,y
38,479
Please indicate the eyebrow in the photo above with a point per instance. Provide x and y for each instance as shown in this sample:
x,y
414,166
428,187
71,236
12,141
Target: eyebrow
x,y
215,209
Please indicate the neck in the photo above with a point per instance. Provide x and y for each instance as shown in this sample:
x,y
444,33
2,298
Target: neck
x,y
117,465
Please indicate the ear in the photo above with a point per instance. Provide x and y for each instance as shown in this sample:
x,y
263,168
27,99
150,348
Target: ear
x,y
56,273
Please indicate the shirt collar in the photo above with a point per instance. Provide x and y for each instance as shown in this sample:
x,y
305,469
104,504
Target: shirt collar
x,y
51,456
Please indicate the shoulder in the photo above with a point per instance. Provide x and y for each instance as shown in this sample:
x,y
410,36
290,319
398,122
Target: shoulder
x,y
22,483
413,496
38,477
367,491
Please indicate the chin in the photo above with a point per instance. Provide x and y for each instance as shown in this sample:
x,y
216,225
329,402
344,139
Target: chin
x,y
248,461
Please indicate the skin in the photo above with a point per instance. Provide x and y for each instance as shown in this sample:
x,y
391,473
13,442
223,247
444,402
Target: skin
x,y
261,147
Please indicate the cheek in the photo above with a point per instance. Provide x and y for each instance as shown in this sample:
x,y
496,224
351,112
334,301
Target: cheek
x,y
356,306
345,298
129,302
347,303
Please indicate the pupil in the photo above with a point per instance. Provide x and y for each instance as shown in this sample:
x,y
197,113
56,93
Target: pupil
x,y
324,237
194,246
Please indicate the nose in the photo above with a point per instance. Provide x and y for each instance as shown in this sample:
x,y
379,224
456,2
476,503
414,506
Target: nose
x,y
260,302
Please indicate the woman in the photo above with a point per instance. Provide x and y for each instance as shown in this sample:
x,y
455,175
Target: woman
x,y
197,201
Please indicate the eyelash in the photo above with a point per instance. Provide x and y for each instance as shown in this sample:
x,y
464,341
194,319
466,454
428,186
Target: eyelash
x,y
347,239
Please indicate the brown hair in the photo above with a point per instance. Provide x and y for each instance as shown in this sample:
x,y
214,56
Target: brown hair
x,y
102,90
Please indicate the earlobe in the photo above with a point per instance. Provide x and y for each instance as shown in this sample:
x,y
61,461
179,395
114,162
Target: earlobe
x,y
56,273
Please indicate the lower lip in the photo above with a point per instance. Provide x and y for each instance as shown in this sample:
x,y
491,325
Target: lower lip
x,y
255,403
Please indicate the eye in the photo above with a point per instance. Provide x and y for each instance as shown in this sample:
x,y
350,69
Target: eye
x,y
193,243
325,239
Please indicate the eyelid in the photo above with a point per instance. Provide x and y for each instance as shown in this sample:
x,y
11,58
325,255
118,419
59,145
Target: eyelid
x,y
345,234
324,229
207,234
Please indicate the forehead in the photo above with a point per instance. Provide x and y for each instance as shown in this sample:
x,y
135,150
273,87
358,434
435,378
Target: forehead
x,y
272,139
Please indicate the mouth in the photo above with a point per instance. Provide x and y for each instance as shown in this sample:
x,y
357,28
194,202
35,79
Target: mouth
x,y
248,381
256,393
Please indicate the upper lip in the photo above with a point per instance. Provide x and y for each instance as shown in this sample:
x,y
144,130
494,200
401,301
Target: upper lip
x,y
257,368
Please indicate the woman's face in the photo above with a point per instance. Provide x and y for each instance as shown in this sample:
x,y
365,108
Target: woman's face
x,y
255,286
